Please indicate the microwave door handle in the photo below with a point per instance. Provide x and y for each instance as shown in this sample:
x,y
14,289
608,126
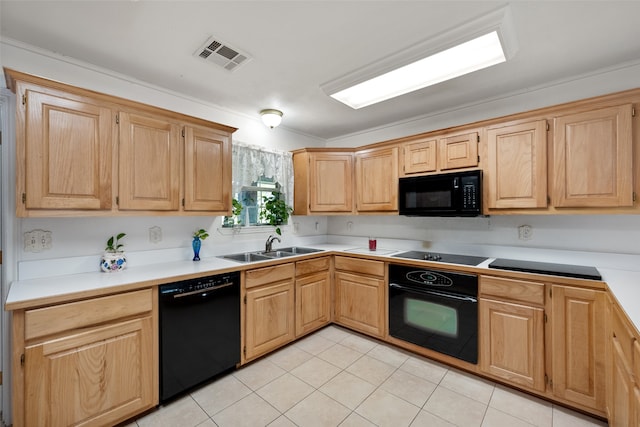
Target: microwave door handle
x,y
439,294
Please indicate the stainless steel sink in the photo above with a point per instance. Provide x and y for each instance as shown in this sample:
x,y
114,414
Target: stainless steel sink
x,y
247,257
297,250
264,256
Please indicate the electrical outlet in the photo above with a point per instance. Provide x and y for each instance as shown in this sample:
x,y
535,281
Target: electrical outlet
x,y
155,234
37,240
525,232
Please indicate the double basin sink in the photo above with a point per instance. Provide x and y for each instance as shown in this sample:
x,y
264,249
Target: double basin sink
x,y
265,256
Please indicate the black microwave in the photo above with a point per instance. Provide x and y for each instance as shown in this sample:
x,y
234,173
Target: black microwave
x,y
449,194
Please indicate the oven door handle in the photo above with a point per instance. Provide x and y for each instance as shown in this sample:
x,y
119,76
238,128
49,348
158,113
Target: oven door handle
x,y
439,294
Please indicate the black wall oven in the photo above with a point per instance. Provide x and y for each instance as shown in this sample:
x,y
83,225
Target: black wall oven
x,y
435,309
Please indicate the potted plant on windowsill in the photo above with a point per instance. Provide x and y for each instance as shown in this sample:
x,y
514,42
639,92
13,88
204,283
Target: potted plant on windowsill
x,y
113,258
275,211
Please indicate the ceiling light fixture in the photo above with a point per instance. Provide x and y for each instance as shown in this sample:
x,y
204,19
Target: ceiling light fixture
x,y
271,117
469,47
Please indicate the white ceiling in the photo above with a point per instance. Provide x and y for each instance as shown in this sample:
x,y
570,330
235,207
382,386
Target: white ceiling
x,y
296,46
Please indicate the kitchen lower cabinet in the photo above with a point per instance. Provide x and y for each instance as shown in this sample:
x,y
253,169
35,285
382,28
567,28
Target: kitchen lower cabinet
x,y
511,329
269,300
360,290
90,362
577,342
313,295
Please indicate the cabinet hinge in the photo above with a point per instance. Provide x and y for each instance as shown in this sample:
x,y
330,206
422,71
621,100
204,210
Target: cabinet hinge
x,y
245,299
550,292
183,202
478,138
478,159
117,119
633,111
22,359
546,319
548,200
24,198
24,99
117,201
633,196
244,350
547,123
183,133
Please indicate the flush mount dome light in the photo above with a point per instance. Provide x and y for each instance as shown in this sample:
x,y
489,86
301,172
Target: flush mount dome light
x,y
470,47
271,117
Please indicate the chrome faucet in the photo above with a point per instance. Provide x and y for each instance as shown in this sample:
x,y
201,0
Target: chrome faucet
x,y
270,239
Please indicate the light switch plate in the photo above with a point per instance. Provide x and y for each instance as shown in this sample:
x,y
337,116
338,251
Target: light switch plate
x,y
155,234
37,240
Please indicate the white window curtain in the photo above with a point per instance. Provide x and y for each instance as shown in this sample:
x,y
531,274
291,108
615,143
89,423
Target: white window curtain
x,y
251,162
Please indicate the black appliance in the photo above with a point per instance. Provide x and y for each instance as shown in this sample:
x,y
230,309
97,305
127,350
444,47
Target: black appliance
x,y
440,257
199,331
451,194
435,309
566,270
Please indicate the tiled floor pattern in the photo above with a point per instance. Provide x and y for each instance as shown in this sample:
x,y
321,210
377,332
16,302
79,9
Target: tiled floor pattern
x,y
339,378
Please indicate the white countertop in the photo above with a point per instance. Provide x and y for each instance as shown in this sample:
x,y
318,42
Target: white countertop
x,y
625,284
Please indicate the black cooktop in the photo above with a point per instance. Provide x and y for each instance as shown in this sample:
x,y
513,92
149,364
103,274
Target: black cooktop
x,y
567,270
439,257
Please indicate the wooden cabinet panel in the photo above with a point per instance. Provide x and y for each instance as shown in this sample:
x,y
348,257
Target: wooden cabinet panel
x,y
593,158
458,151
313,302
331,182
513,289
620,410
512,343
149,163
94,377
207,170
517,160
377,180
577,343
419,156
269,317
358,265
360,303
67,154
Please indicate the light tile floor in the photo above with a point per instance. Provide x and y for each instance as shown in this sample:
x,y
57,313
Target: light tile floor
x,y
336,377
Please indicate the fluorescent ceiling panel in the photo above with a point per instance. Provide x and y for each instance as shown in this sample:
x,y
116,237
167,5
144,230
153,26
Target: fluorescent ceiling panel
x,y
476,54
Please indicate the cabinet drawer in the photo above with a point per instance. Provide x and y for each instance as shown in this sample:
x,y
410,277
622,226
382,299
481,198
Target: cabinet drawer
x,y
356,265
312,266
50,320
262,276
515,290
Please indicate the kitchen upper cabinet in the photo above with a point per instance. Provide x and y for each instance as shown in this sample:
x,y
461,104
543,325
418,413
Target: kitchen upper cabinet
x,y
64,152
578,339
593,165
269,309
511,324
90,362
516,176
324,182
149,163
207,169
377,180
313,295
82,153
432,153
360,301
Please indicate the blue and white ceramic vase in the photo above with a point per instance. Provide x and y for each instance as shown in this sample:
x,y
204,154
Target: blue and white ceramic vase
x,y
113,261
195,244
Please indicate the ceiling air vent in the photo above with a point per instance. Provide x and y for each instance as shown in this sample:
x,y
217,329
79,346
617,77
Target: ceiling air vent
x,y
222,54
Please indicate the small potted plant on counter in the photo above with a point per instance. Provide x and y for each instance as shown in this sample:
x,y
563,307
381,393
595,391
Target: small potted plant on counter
x,y
196,243
113,258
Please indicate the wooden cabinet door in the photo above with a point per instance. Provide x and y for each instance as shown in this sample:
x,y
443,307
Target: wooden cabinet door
x,y
207,170
313,302
330,182
578,340
419,156
517,159
269,317
360,303
68,154
620,412
593,158
149,163
377,180
458,151
512,343
98,376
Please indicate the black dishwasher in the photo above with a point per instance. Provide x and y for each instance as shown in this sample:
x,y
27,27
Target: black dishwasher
x,y
199,331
